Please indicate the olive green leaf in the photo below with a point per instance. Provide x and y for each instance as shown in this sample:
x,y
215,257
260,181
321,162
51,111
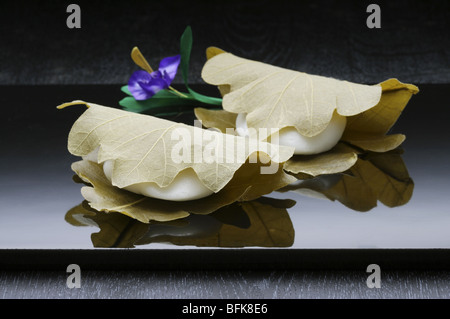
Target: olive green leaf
x,y
163,103
368,129
186,41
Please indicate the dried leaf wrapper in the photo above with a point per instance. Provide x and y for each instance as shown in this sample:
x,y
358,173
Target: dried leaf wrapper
x,y
273,97
140,147
298,100
147,149
101,195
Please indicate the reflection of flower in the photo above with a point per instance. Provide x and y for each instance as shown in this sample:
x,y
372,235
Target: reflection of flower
x,y
143,85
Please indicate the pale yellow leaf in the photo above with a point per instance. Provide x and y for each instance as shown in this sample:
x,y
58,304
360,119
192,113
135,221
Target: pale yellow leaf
x,y
218,119
141,148
102,196
247,184
273,97
116,230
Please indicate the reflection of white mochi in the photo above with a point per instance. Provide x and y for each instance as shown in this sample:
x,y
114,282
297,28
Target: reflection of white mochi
x,y
197,225
289,136
185,186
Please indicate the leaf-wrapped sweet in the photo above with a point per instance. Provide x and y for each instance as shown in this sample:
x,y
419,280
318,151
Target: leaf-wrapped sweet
x,y
149,149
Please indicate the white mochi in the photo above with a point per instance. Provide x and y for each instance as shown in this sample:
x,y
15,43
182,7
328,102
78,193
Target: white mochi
x,y
185,186
303,145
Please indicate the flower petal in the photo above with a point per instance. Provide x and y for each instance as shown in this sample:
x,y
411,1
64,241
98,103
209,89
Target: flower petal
x,y
169,66
157,84
134,85
144,85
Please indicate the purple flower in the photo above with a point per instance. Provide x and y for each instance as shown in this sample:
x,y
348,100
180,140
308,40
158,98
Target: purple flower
x,y
144,85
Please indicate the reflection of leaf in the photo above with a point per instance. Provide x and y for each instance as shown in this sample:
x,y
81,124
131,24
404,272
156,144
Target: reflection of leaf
x,y
375,176
247,184
141,148
274,97
77,216
116,230
388,177
263,222
270,226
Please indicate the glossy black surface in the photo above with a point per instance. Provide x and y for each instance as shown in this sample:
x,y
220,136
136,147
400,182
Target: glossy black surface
x,y
37,191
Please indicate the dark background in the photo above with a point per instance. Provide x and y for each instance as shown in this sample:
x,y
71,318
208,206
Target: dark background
x,y
321,37
39,53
